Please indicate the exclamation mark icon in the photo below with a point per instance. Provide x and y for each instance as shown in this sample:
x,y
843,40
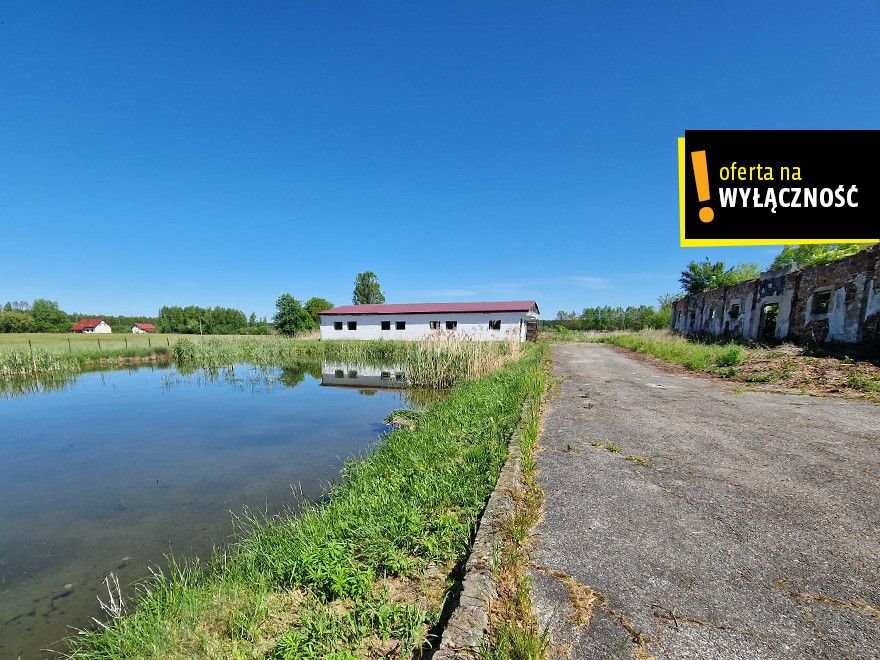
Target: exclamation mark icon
x,y
701,174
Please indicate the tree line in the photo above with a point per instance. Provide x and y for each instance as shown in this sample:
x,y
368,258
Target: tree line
x,y
195,320
44,315
608,318
291,317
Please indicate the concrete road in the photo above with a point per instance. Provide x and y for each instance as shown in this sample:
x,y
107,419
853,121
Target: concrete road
x,y
728,525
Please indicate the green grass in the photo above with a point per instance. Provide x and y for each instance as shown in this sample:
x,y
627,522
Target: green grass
x,y
58,342
678,350
514,630
864,382
336,580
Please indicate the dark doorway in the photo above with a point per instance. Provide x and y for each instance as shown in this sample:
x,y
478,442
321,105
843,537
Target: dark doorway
x,y
531,329
767,329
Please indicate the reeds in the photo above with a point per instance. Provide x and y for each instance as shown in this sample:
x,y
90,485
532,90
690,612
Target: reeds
x,y
437,362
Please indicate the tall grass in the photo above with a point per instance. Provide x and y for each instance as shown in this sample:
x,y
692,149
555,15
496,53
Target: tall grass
x,y
678,350
434,362
344,579
37,362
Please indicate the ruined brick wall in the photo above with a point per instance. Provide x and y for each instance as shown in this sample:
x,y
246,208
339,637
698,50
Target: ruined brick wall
x,y
839,301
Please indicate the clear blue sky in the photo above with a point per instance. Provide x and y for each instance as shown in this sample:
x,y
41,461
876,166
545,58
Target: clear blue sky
x,y
221,153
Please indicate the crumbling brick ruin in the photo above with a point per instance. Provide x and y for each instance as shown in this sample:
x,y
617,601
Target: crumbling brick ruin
x,y
839,301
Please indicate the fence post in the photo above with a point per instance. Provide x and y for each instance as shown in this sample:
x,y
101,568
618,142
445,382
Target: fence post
x,y
99,344
69,346
168,341
149,343
125,339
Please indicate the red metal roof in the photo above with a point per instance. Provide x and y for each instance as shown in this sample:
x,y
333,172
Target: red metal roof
x,y
85,324
146,327
437,308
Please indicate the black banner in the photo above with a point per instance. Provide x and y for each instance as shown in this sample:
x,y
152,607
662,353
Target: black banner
x,y
772,187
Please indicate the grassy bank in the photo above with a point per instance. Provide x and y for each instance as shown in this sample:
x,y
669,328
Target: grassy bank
x,y
678,350
514,630
820,370
365,574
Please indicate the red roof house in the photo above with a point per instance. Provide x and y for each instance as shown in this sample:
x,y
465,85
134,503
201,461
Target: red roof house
x,y
138,328
91,325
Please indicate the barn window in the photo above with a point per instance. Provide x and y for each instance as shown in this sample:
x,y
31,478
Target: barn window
x,y
734,310
451,325
352,325
435,325
400,325
386,325
337,325
821,302
495,325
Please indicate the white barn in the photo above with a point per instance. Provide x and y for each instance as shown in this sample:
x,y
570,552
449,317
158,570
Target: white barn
x,y
475,321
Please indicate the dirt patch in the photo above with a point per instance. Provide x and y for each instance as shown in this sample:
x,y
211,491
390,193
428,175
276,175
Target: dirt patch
x,y
788,368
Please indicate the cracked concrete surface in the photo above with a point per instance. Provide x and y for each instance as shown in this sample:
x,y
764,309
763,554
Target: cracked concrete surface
x,y
754,532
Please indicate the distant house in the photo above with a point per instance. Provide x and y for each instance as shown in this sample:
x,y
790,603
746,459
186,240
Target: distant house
x,y
475,321
92,326
142,328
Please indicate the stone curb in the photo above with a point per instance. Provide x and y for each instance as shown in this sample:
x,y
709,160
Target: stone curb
x,y
469,622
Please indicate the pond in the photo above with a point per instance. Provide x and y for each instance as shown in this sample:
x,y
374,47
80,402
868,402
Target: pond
x,y
111,471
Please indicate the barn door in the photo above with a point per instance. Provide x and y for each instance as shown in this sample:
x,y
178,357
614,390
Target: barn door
x,y
531,329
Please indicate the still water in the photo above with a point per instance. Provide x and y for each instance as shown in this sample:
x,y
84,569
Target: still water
x,y
112,470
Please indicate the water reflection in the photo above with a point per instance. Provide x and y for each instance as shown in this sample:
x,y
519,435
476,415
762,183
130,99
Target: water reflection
x,y
361,375
111,470
369,379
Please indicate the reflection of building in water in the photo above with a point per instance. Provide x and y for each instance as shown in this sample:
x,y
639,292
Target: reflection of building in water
x,y
359,375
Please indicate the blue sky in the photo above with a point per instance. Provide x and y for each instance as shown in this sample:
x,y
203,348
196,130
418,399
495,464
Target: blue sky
x,y
222,153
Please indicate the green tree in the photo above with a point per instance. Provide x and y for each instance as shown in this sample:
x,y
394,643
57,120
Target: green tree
x,y
663,318
740,273
702,275
291,317
367,290
314,306
11,321
813,255
47,316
